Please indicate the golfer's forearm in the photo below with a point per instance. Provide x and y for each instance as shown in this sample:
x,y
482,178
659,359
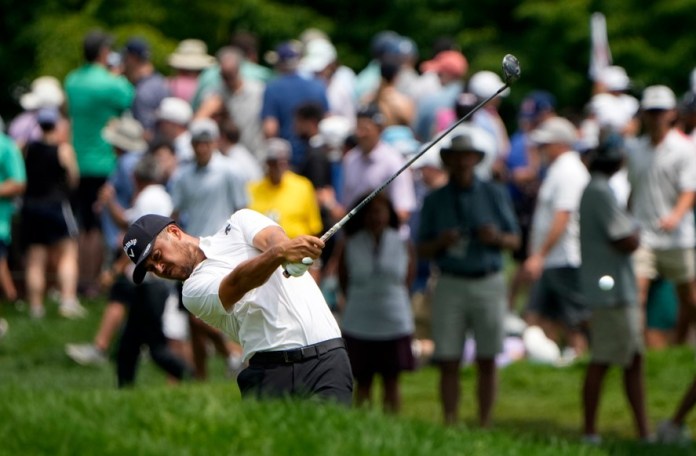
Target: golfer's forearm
x,y
249,275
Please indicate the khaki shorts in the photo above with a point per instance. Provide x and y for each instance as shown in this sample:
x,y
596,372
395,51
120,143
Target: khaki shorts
x,y
671,264
616,335
461,305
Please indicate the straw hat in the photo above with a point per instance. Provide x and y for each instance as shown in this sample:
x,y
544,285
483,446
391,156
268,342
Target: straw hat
x,y
191,55
125,133
46,92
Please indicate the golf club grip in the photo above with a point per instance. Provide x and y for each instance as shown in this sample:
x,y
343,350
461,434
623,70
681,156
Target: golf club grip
x,y
338,225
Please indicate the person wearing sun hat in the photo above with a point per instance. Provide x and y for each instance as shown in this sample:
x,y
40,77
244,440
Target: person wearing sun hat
x,y
188,60
45,92
465,227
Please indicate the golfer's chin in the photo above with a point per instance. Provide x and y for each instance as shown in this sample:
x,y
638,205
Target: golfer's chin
x,y
179,274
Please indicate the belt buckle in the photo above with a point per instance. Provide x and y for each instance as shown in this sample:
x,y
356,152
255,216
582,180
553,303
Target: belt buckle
x,y
286,357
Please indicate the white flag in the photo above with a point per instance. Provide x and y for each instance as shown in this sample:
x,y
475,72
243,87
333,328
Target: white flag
x,y
600,54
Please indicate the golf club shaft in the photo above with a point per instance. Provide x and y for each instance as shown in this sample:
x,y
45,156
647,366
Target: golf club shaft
x,y
327,235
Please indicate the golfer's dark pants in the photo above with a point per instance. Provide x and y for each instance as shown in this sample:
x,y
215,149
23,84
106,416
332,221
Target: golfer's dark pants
x,y
321,370
144,327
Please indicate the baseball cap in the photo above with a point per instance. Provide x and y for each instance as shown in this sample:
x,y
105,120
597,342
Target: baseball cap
x,y
614,78
138,47
319,53
610,149
47,116
658,97
485,84
175,110
287,52
278,149
204,130
452,62
537,103
464,141
555,130
137,242
373,113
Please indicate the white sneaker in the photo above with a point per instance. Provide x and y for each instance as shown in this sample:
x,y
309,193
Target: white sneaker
x,y
4,327
72,309
668,432
85,354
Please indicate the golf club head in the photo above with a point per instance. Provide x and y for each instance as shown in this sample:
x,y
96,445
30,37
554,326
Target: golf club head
x,y
511,69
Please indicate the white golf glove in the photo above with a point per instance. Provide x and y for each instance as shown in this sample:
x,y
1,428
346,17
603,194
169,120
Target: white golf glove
x,y
298,269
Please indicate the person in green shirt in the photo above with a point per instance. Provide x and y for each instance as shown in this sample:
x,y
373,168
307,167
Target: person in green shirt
x,y
94,96
12,184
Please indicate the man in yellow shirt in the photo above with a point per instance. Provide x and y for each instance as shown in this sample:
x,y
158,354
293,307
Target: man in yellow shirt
x,y
287,198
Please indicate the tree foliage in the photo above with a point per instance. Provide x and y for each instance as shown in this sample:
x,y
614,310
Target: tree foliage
x,y
652,40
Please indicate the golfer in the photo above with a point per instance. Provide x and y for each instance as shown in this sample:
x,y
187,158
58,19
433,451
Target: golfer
x,y
234,281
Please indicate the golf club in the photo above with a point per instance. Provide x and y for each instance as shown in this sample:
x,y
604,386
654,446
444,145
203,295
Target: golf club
x,y
511,73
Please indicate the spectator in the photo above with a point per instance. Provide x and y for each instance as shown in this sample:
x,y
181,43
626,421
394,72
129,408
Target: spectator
x,y
246,164
188,60
662,173
150,86
608,237
282,97
49,228
398,109
556,303
45,92
372,162
465,226
12,185
675,430
376,269
283,196
173,117
204,194
94,97
242,99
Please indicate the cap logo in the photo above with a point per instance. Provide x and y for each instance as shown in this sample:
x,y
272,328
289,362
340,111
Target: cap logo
x,y
147,250
128,248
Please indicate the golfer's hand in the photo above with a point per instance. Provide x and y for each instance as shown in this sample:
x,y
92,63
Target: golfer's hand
x,y
295,249
297,269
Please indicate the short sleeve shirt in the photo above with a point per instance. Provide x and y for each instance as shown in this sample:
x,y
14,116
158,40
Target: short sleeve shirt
x,y
11,168
603,221
658,175
282,314
560,190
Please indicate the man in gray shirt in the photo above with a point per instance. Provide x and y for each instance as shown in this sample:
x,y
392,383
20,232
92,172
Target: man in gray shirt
x,y
608,237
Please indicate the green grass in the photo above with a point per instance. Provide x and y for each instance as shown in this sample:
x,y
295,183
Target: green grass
x,y
50,406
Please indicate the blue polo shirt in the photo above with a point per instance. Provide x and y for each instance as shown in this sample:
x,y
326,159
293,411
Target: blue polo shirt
x,y
467,209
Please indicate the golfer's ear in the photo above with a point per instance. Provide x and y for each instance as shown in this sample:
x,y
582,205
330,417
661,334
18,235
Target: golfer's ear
x,y
174,230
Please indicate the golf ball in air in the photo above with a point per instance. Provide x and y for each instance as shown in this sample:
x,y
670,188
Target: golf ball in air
x,y
606,283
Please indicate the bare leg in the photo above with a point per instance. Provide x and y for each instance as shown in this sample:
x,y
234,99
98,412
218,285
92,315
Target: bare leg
x,y
36,258
517,284
6,282
686,404
198,347
486,389
90,259
67,269
590,395
111,320
449,390
635,393
392,394
686,291
363,392
578,341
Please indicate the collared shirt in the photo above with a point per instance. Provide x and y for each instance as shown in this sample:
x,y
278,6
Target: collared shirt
x,y
467,210
95,96
560,190
658,175
282,314
205,196
292,204
363,173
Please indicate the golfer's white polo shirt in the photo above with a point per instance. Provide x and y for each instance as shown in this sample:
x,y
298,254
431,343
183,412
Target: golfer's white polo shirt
x,y
284,313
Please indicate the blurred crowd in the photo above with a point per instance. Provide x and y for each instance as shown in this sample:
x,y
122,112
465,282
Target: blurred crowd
x,y
556,238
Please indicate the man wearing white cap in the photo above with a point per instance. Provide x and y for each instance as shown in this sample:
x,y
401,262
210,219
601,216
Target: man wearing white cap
x,y
662,173
173,117
554,255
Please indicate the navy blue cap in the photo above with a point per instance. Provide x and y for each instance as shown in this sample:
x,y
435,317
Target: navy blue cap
x,y
138,47
611,148
537,102
47,116
137,242
373,113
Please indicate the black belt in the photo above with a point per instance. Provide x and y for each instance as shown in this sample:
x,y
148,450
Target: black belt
x,y
296,355
472,274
